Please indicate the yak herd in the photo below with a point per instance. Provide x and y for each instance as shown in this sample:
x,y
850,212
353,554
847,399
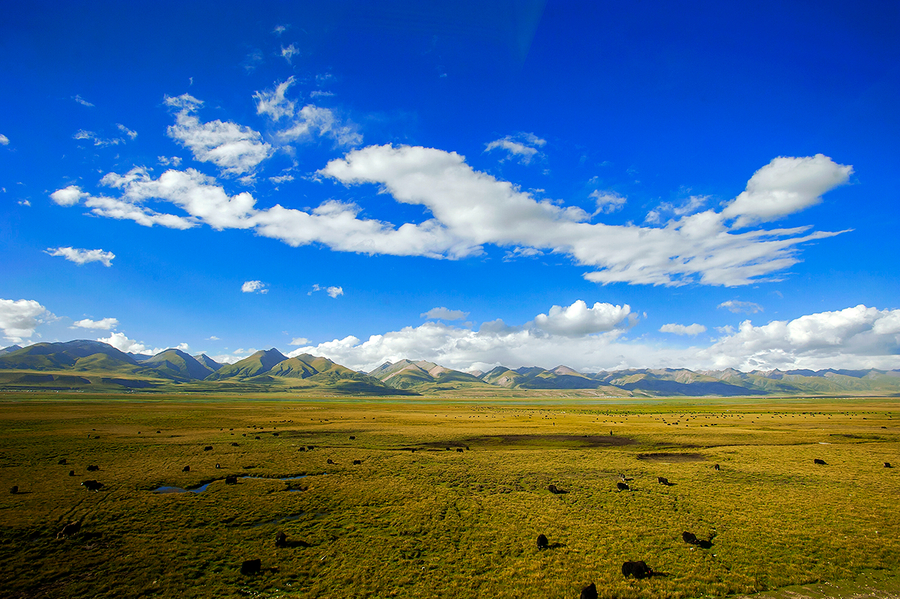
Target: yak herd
x,y
630,569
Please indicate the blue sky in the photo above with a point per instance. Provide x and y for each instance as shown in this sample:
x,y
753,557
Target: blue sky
x,y
597,185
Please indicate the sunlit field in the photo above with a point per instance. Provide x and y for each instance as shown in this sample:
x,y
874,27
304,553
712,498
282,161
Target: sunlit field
x,y
447,497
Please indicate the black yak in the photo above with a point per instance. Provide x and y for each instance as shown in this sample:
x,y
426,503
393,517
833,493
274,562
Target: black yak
x,y
589,592
636,569
622,486
542,542
251,566
820,462
92,485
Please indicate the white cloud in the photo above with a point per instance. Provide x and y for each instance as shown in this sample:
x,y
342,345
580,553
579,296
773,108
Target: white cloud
x,y
473,208
691,205
524,146
104,324
80,256
273,103
314,120
289,52
299,341
212,338
784,186
235,149
82,101
444,314
680,329
858,337
281,179
334,292
127,131
68,196
608,201
741,307
19,318
254,287
578,320
82,134
279,29
4,141
124,344
166,161
469,209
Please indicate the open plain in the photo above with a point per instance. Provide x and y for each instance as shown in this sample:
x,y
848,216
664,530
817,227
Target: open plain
x,y
446,497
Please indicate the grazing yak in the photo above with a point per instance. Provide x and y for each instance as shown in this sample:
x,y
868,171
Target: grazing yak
x,y
231,479
357,462
93,468
234,444
207,448
689,537
887,465
62,462
663,481
542,542
71,473
251,566
186,469
329,461
589,592
622,486
68,530
92,485
820,462
14,489
280,539
717,467
637,570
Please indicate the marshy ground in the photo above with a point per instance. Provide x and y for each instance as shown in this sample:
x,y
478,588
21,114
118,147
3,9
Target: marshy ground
x,y
447,498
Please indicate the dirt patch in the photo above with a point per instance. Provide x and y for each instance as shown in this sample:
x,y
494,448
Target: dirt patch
x,y
672,457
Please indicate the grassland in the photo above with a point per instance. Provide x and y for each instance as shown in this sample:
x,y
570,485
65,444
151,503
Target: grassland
x,y
457,517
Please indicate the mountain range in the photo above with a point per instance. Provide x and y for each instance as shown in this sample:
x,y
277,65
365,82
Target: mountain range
x,y
97,366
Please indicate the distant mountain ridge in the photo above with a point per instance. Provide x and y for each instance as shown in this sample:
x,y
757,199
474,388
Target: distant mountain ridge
x,y
94,365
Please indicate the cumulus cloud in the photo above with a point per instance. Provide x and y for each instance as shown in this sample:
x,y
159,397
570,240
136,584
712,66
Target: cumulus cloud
x,y
741,307
4,141
299,341
580,336
254,287
68,196
858,337
444,314
124,344
166,161
523,146
607,201
104,324
785,186
80,256
680,329
468,209
19,318
235,149
578,320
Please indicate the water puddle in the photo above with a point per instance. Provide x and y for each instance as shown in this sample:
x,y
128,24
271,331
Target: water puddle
x,y
169,490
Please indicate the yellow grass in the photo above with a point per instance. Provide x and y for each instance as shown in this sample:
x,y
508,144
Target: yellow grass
x,y
438,522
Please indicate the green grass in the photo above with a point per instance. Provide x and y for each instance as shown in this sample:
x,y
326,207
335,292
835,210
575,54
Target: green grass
x,y
438,522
